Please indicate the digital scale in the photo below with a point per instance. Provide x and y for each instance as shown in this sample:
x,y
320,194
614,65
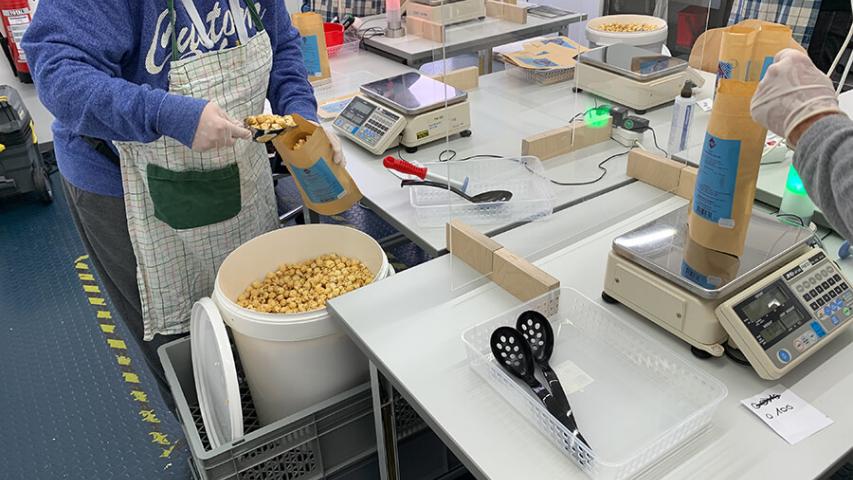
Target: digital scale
x,y
777,304
447,12
633,77
409,110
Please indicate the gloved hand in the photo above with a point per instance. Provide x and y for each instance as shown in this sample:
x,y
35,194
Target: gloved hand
x,y
216,130
792,91
337,150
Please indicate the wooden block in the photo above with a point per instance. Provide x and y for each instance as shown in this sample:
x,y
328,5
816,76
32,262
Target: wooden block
x,y
687,182
464,79
520,277
564,140
471,246
511,2
506,11
425,29
658,171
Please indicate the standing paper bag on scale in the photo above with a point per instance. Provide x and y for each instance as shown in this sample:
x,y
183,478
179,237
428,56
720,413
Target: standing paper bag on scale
x,y
325,187
731,155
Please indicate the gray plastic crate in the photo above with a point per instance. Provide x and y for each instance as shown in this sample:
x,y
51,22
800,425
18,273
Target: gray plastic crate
x,y
316,443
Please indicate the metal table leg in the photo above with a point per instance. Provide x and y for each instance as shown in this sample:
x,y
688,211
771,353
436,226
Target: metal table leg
x,y
386,430
486,59
311,216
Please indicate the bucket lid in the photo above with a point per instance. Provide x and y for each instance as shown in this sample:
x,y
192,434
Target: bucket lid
x,y
215,374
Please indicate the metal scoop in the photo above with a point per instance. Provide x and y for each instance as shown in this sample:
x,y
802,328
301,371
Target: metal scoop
x,y
485,197
537,331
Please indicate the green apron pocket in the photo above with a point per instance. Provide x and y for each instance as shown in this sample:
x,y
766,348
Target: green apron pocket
x,y
194,198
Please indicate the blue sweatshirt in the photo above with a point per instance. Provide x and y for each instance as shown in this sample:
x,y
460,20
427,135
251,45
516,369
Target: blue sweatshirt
x,y
101,68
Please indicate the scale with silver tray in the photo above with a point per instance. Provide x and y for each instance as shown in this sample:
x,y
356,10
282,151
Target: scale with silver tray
x,y
773,307
633,77
409,110
444,12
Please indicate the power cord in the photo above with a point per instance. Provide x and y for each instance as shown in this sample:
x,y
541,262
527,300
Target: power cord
x,y
601,166
655,138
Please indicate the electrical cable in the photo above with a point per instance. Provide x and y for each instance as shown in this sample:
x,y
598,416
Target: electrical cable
x,y
655,138
791,215
601,166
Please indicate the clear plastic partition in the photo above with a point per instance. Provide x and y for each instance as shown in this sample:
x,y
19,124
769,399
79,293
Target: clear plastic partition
x,y
562,92
501,113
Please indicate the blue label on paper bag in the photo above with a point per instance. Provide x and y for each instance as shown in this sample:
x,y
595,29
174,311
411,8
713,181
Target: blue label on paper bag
x,y
311,55
699,279
319,182
767,62
715,183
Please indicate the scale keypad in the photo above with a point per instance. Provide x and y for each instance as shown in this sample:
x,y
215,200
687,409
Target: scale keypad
x,y
819,286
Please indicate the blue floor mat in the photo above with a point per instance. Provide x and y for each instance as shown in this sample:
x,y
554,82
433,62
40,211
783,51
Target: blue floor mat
x,y
67,401
73,406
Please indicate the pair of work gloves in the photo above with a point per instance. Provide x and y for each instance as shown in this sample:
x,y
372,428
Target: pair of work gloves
x,y
216,130
792,96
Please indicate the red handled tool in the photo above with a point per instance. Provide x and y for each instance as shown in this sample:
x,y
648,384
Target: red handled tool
x,y
403,166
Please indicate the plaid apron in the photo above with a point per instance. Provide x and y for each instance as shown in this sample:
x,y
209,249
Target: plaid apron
x,y
800,15
186,211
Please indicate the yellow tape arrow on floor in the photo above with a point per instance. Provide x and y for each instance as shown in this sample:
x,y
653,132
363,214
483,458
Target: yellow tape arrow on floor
x,y
108,328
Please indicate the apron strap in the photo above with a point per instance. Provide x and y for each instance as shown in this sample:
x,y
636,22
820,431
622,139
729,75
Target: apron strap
x,y
236,15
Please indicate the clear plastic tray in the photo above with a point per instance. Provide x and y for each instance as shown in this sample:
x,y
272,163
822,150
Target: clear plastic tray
x,y
634,401
350,45
542,77
532,194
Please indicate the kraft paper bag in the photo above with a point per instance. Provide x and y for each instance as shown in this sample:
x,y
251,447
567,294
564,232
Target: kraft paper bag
x,y
708,268
314,53
325,187
705,54
728,171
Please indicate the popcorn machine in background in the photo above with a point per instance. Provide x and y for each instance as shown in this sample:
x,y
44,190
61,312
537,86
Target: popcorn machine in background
x,y
16,16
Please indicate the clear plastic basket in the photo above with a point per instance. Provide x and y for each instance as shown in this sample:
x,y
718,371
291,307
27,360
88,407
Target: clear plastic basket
x,y
532,194
542,77
637,402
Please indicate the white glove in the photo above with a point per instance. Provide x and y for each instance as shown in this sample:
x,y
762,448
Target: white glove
x,y
792,91
216,130
337,150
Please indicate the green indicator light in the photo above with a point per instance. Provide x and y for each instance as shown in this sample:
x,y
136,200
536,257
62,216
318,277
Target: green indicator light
x,y
597,117
794,183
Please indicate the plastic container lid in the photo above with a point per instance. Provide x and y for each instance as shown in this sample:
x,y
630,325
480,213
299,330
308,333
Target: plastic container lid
x,y
215,375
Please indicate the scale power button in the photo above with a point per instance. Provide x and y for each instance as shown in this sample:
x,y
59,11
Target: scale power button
x,y
784,356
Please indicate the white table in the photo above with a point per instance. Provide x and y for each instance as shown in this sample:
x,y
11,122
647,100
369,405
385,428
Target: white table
x,y
504,110
474,36
414,341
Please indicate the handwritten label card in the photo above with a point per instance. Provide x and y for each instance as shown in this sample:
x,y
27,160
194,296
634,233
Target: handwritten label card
x,y
787,414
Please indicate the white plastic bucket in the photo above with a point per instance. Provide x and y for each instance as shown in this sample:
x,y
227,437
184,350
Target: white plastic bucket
x,y
652,41
293,361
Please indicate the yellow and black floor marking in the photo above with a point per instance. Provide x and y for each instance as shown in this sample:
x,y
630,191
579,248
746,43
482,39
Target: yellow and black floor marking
x,y
125,364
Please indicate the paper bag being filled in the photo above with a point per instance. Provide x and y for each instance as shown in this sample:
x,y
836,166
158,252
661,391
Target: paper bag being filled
x,y
705,54
708,268
326,187
728,171
314,53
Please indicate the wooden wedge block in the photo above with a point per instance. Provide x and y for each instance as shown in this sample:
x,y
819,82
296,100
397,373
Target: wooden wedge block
x,y
506,11
471,246
564,140
521,278
467,78
653,169
425,29
687,182
661,172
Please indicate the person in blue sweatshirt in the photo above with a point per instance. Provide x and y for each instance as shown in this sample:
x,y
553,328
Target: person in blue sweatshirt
x,y
162,179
